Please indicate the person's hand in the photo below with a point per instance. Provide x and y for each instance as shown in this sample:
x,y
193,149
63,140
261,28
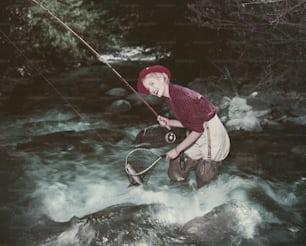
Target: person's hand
x,y
172,154
163,121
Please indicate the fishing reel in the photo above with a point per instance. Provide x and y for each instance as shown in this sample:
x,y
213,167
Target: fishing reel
x,y
170,137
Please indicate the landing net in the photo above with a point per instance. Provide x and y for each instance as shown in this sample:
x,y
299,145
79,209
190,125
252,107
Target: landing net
x,y
139,164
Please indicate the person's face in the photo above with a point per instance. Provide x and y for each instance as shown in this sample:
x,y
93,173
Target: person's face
x,y
156,84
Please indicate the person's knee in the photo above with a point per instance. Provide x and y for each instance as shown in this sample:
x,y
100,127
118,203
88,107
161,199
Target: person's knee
x,y
206,171
174,171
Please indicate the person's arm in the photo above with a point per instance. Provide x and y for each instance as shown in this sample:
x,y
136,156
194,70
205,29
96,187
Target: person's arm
x,y
169,122
188,141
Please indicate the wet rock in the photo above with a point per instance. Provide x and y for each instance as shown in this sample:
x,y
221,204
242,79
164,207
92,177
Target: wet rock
x,y
301,120
120,106
153,100
299,150
241,116
260,108
219,226
272,124
224,103
134,99
298,107
247,123
124,224
222,108
238,108
117,92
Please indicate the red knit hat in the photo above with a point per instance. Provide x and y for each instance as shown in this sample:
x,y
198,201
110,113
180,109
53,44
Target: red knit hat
x,y
151,69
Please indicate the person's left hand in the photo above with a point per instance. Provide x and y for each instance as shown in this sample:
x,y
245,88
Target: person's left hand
x,y
172,154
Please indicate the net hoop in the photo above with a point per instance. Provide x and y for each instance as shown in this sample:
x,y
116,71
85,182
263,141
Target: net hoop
x,y
159,157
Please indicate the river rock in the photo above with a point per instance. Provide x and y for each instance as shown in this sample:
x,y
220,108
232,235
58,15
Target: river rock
x,y
247,123
260,107
298,107
117,92
120,106
300,120
299,150
150,99
221,225
241,116
124,224
224,103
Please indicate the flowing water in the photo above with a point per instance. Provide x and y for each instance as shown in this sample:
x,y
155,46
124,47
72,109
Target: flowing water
x,y
63,183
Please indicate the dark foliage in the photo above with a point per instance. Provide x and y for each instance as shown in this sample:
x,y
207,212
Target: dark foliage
x,y
266,40
249,44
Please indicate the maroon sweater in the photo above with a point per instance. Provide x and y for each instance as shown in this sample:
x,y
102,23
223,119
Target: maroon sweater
x,y
190,107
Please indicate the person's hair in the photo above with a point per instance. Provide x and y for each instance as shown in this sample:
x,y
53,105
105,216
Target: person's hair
x,y
157,75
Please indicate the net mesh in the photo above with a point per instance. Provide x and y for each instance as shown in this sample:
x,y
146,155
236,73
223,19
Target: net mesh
x,y
139,164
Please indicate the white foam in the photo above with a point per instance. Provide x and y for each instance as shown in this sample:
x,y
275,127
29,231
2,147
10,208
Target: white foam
x,y
249,217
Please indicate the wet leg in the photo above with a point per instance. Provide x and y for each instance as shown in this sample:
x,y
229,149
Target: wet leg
x,y
206,171
180,167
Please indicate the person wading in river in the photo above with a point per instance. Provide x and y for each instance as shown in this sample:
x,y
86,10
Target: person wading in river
x,y
207,142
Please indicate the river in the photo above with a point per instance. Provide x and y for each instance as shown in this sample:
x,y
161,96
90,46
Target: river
x,y
63,183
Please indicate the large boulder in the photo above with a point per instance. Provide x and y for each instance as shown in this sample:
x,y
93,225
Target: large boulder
x,y
222,224
124,224
241,116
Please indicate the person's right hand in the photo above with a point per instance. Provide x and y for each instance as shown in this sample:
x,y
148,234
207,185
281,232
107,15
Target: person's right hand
x,y
163,121
172,154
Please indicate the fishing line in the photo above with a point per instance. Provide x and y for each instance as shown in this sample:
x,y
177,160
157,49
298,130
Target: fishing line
x,y
49,82
99,57
170,136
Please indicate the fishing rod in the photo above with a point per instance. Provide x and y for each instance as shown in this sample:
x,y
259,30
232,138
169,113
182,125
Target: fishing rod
x,y
170,137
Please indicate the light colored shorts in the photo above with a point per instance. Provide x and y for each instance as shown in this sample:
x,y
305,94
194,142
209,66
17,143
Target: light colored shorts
x,y
219,141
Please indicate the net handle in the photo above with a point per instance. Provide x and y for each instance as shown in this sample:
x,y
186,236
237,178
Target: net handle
x,y
146,169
